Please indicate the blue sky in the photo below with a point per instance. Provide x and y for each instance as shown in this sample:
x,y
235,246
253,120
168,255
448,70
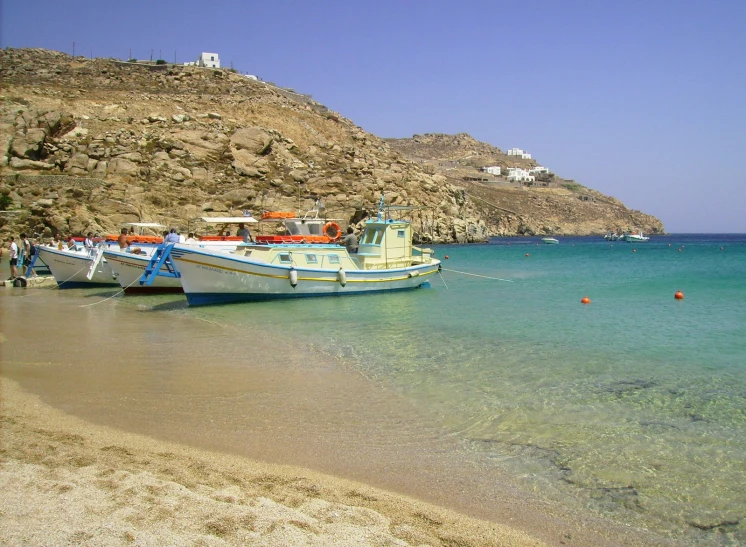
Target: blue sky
x,y
641,100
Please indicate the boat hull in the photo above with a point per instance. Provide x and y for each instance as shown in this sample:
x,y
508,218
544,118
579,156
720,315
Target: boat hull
x,y
70,268
210,278
635,238
129,269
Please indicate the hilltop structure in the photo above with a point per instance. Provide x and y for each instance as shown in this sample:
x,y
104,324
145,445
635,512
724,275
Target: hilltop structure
x,y
206,60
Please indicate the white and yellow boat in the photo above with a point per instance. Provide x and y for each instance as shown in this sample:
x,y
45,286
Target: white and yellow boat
x,y
386,261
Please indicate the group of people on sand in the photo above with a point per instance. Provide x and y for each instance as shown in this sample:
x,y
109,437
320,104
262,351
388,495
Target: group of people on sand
x,y
20,253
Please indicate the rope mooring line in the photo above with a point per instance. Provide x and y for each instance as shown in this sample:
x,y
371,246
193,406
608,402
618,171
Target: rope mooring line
x,y
478,275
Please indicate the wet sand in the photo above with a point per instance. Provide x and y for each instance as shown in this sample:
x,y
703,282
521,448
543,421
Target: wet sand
x,y
120,422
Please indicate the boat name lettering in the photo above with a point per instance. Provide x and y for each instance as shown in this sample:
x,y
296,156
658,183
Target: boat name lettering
x,y
216,270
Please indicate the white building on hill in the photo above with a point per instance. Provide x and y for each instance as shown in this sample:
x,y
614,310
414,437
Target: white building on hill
x,y
206,60
209,60
539,170
518,152
492,170
516,174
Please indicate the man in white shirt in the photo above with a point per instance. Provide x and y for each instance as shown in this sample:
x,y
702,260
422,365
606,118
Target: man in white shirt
x,y
13,257
172,236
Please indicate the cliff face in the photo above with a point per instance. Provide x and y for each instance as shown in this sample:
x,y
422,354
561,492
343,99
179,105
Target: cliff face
x,y
88,144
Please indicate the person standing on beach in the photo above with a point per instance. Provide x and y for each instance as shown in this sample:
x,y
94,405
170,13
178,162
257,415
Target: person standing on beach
x,y
13,257
26,246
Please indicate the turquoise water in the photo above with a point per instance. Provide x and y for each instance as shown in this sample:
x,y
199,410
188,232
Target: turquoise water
x,y
633,404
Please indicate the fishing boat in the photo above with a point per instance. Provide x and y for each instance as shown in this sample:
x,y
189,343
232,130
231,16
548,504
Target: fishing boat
x,y
550,240
386,261
130,267
75,267
79,266
632,237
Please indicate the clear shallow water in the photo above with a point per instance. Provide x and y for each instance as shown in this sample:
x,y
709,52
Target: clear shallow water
x,y
636,402
633,406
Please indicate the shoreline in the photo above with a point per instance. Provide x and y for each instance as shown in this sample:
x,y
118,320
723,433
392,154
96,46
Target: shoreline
x,y
66,480
277,400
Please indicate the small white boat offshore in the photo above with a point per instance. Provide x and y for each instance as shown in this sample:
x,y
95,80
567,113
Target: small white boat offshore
x,y
386,261
611,236
550,240
634,237
76,267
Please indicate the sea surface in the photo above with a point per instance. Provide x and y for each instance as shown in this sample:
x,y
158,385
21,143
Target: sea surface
x,y
631,407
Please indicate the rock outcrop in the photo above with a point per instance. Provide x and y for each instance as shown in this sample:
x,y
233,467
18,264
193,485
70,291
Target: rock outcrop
x,y
88,144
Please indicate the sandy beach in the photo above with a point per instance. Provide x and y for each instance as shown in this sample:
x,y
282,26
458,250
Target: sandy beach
x,y
64,481
166,442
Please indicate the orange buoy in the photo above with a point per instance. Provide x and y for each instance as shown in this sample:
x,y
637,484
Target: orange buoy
x,y
528,254
679,295
585,300
446,257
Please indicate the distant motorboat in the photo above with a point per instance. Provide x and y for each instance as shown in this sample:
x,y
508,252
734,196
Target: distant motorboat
x,y
550,240
634,237
611,236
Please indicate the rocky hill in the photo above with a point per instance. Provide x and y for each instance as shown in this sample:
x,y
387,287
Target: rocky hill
x,y
549,205
87,144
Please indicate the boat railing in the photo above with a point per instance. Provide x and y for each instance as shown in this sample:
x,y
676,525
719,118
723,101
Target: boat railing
x,y
424,254
387,265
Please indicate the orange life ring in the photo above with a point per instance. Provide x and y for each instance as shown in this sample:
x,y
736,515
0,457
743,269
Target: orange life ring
x,y
332,230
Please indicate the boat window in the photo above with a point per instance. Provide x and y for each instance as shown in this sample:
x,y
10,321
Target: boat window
x,y
333,259
285,258
379,237
314,229
293,228
371,234
400,233
312,259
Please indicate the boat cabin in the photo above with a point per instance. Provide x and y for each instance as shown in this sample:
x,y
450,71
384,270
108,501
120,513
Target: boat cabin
x,y
384,244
